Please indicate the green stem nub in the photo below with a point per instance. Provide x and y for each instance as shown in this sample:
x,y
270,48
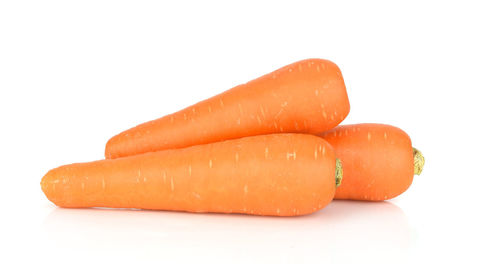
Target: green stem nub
x,y
339,173
418,161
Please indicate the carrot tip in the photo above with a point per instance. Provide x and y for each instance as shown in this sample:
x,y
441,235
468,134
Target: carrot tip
x,y
418,161
339,172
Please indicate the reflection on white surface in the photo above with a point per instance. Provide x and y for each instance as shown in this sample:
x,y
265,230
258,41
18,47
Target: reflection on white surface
x,y
339,232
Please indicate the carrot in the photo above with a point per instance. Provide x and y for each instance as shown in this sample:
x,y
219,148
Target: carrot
x,y
308,96
378,161
278,174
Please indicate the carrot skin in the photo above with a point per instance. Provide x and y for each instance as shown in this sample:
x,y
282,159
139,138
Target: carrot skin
x,y
279,174
308,96
377,161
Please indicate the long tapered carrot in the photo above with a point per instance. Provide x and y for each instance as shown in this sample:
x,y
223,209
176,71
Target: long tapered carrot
x,y
308,96
378,161
279,174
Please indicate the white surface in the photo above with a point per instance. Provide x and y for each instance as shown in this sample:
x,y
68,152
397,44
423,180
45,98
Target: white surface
x,y
74,74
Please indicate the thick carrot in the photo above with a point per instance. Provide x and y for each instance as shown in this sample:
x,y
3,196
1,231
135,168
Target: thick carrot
x,y
278,174
308,96
378,161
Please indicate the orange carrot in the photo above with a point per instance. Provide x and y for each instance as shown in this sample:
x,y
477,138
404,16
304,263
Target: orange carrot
x,y
378,161
308,96
278,174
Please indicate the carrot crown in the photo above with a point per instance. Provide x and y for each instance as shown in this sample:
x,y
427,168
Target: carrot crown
x,y
418,161
339,173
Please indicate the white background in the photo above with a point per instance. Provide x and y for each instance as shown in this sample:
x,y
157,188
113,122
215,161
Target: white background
x,y
73,74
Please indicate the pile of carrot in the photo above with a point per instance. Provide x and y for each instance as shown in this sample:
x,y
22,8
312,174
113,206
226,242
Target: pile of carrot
x,y
271,146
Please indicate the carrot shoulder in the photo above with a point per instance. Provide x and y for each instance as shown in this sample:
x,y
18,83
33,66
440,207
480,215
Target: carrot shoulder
x,y
279,174
378,161
308,96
